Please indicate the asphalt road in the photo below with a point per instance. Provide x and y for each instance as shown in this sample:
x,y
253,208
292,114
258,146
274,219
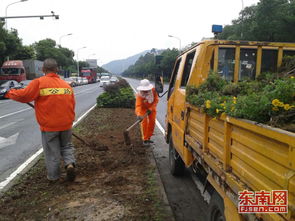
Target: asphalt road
x,y
20,135
185,199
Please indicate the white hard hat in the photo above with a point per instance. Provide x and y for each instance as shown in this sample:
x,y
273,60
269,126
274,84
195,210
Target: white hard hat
x,y
144,85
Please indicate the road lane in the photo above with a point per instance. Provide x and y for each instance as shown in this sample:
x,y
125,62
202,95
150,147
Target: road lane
x,y
17,119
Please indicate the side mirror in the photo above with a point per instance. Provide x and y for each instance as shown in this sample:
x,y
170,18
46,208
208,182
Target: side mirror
x,y
159,84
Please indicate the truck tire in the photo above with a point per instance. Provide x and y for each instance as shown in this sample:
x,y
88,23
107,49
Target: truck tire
x,y
216,208
175,162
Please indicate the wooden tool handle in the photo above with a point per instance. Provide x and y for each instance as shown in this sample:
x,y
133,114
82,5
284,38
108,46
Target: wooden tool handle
x,y
136,122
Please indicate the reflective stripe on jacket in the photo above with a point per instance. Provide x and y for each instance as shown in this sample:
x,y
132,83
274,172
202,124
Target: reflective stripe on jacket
x,y
142,104
54,102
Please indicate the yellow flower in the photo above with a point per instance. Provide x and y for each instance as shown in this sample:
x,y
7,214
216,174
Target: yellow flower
x,y
292,77
287,106
234,100
275,109
208,104
217,110
275,102
281,104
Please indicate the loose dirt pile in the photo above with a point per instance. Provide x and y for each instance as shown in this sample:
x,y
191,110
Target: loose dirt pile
x,y
118,184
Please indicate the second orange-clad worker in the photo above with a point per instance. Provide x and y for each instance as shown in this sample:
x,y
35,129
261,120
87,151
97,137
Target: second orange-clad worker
x,y
146,102
55,112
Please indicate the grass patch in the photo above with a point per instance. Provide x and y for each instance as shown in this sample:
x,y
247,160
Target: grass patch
x,y
152,194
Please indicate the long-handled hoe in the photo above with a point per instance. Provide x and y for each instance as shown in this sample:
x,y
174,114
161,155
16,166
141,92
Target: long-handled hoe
x,y
100,148
126,132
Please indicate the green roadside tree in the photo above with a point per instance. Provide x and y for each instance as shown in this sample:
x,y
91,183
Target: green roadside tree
x,y
47,48
11,46
145,66
167,63
268,20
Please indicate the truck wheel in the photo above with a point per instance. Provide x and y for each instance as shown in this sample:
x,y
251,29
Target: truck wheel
x,y
216,208
175,162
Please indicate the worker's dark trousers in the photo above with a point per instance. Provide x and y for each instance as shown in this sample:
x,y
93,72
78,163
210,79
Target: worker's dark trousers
x,y
57,145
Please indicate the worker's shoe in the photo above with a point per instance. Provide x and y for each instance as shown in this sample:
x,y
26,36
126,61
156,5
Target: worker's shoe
x,y
146,143
71,175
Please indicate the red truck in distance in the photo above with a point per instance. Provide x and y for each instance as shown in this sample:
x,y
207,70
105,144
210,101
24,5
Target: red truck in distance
x,y
13,70
90,74
21,70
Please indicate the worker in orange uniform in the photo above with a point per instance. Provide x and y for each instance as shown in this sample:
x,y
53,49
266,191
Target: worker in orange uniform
x,y
146,102
55,112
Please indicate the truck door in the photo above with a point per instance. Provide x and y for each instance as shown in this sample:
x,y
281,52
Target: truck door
x,y
178,115
171,93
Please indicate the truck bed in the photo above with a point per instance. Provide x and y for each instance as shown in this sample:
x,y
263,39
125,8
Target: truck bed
x,y
243,154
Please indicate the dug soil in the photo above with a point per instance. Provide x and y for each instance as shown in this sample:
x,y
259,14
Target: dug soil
x,y
117,184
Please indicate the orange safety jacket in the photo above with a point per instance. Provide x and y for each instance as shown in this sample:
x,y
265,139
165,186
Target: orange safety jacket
x,y
142,104
54,102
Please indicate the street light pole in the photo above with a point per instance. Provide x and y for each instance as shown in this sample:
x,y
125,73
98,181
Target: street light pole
x,y
78,59
62,37
7,8
171,36
242,18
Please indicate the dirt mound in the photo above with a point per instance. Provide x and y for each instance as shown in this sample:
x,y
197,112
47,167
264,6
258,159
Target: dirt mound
x,y
117,184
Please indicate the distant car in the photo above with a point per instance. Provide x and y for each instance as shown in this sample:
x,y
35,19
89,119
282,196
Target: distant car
x,y
9,84
77,80
104,80
25,83
70,81
84,80
114,80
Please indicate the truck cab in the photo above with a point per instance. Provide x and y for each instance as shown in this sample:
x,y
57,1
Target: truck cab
x,y
13,70
90,74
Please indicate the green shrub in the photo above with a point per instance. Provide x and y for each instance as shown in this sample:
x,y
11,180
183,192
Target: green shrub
x,y
119,94
267,100
214,82
256,107
282,89
288,63
114,88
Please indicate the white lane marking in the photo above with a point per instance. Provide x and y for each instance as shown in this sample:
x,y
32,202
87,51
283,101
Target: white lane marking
x,y
80,118
19,169
7,125
4,183
4,142
7,115
157,122
160,127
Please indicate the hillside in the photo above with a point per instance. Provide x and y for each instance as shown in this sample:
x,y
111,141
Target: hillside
x,y
118,66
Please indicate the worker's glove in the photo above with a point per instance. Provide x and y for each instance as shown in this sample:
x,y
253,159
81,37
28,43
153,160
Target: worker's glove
x,y
149,112
140,118
3,92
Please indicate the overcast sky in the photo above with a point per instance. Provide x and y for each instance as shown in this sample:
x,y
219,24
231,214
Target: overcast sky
x,y
116,29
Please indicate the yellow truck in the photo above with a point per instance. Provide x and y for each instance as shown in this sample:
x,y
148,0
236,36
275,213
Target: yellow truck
x,y
232,156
